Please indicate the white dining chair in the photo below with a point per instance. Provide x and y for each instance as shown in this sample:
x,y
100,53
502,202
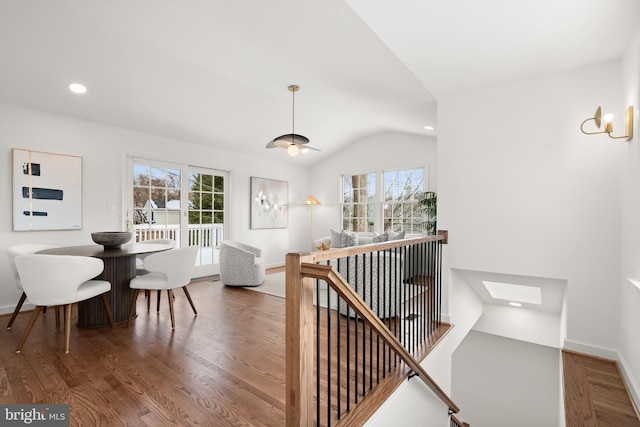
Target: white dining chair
x,y
168,270
140,257
12,253
140,267
60,280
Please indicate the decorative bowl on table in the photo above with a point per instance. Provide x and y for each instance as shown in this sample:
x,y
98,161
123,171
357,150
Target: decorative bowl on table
x,y
111,239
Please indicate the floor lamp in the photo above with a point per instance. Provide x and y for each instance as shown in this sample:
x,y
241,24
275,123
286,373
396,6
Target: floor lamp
x,y
311,201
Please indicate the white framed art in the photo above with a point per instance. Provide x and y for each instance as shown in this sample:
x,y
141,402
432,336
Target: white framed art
x,y
269,203
47,191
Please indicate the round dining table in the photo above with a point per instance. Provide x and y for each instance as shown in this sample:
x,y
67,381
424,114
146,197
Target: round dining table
x,y
119,269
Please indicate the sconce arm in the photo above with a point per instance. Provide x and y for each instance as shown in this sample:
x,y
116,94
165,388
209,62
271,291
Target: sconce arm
x,y
591,133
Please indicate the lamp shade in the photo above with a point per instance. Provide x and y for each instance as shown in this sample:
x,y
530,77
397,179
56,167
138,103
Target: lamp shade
x,y
311,201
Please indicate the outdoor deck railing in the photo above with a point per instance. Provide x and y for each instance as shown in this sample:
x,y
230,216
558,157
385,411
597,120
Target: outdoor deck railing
x,y
202,235
376,318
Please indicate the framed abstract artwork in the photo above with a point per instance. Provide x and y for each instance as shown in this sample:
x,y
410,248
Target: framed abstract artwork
x,y
47,191
269,203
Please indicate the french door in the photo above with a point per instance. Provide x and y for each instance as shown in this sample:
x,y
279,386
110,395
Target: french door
x,y
178,202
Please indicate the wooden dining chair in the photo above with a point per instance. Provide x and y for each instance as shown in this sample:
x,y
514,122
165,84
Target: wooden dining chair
x,y
168,270
12,253
60,280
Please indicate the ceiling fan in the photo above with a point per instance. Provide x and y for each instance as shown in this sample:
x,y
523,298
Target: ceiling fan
x,y
292,142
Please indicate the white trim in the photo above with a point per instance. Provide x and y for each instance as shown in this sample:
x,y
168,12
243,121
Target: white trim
x,y
591,350
632,386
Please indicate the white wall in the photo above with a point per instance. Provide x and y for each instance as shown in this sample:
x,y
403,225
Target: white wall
x,y
500,382
422,408
629,316
523,191
389,150
537,327
104,149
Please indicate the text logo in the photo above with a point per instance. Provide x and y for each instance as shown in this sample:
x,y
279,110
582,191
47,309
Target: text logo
x,y
34,415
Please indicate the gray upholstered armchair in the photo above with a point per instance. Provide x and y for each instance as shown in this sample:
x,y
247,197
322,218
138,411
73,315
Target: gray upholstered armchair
x,y
241,264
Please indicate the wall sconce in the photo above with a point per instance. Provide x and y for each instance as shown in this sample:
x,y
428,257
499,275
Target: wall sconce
x,y
608,125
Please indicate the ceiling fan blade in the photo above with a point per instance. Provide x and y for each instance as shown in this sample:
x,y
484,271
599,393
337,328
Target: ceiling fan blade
x,y
307,147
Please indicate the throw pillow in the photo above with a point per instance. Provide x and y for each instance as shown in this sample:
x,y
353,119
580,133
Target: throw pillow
x,y
350,238
336,239
395,235
342,239
380,238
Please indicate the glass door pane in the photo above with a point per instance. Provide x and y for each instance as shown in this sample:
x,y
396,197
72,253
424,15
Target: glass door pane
x,y
206,219
191,211
156,203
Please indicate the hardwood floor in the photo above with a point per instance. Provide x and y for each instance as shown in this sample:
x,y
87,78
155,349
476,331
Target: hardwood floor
x,y
595,394
224,367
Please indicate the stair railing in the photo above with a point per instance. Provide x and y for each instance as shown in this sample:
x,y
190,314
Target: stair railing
x,y
308,320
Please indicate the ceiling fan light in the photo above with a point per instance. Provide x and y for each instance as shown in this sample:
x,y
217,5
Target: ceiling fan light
x,y
292,142
293,150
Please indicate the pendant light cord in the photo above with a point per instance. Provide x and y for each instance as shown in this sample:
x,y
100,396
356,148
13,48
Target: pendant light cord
x,y
293,116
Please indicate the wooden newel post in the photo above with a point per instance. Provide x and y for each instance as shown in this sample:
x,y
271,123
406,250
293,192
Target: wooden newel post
x,y
299,345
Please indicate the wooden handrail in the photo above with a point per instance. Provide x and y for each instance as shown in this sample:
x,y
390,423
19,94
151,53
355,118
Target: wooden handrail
x,y
321,256
351,297
458,422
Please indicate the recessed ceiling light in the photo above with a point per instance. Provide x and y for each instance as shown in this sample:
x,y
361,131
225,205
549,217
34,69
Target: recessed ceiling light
x,y
77,88
515,293
515,304
429,127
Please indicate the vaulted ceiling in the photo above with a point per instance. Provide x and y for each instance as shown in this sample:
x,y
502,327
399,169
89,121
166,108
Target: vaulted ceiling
x,y
216,72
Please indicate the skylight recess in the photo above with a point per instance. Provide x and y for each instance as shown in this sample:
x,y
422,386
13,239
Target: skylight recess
x,y
511,292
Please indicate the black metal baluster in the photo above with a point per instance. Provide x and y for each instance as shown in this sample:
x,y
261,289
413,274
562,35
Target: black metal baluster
x,y
439,287
424,267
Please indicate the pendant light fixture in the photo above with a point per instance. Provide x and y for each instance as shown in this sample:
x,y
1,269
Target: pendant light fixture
x,y
292,142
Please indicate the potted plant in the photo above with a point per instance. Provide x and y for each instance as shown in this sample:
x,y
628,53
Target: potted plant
x,y
428,203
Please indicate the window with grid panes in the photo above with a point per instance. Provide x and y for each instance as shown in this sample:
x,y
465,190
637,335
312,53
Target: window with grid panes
x,y
402,190
358,202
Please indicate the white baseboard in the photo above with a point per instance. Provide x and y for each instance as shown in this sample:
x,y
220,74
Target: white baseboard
x,y
8,309
632,385
579,347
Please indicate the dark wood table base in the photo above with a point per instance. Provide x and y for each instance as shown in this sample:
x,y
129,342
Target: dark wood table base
x,y
118,272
